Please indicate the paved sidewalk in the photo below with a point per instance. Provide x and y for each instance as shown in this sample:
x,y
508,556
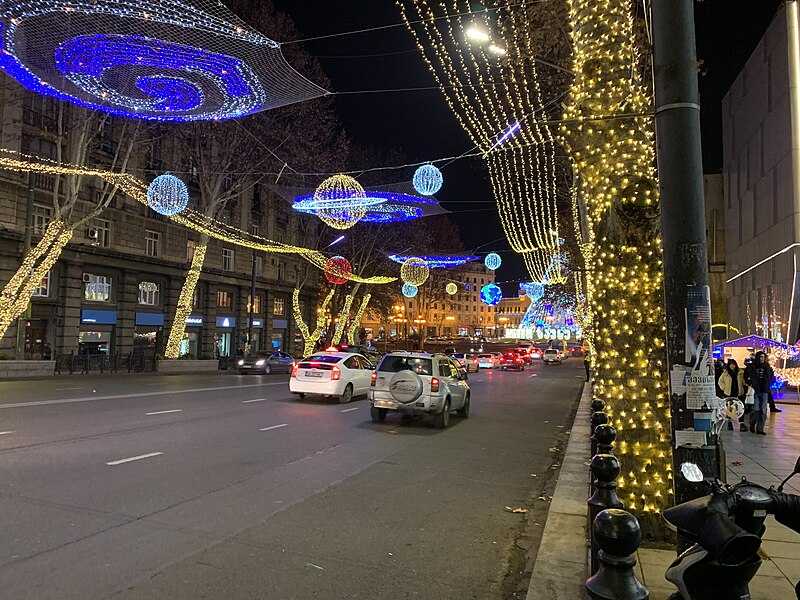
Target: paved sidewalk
x,y
765,460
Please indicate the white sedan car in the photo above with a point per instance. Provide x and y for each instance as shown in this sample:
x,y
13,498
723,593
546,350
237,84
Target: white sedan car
x,y
339,374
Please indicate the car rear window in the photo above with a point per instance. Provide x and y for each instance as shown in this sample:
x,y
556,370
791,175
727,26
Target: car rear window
x,y
395,364
551,351
484,356
324,358
324,362
459,355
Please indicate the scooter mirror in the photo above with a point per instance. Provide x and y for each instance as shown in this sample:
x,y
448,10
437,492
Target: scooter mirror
x,y
691,472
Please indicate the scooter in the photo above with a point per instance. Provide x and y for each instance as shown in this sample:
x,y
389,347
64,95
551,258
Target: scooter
x,y
725,528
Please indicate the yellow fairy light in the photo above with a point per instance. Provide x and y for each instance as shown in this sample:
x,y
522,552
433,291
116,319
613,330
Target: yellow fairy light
x,y
310,338
415,271
358,318
342,320
184,307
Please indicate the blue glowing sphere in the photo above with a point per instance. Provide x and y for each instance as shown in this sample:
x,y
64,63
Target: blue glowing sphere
x,y
409,290
491,294
493,261
167,195
428,180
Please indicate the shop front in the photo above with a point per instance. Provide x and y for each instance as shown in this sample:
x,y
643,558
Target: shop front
x,y
190,344
224,337
279,331
148,333
257,333
96,332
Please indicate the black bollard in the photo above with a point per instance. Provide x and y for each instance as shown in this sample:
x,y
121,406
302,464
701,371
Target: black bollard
x,y
605,470
598,418
605,435
618,535
597,406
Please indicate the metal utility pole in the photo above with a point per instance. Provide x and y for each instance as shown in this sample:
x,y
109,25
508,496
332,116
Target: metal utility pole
x,y
687,296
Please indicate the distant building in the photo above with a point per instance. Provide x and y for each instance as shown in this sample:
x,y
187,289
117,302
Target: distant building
x,y
715,238
511,311
761,176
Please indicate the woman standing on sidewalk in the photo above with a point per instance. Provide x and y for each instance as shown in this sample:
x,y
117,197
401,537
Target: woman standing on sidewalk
x,y
759,377
731,382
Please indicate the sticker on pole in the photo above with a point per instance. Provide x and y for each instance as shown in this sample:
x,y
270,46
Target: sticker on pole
x,y
700,391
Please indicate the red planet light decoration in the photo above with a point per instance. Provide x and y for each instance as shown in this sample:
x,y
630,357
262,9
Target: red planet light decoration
x,y
337,270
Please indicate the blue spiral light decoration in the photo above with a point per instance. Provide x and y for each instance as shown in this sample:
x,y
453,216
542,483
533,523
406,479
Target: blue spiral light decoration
x,y
409,290
428,180
167,195
491,294
164,60
493,261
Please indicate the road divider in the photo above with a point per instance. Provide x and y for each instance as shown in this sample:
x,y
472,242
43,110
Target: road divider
x,y
122,461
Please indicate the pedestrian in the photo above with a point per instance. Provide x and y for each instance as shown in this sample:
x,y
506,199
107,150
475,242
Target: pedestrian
x,y
772,406
731,382
759,378
719,369
587,364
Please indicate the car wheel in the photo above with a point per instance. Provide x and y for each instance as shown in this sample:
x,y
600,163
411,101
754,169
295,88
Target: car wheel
x,y
347,395
464,411
442,420
267,369
300,395
378,414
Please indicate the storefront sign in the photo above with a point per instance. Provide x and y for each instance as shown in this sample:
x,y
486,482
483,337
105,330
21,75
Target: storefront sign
x,y
257,322
99,317
150,319
279,323
226,322
194,321
544,333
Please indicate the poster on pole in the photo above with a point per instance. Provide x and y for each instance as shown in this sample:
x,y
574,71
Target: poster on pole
x,y
700,388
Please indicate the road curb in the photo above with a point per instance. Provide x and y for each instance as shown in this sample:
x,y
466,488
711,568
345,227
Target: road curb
x,y
560,569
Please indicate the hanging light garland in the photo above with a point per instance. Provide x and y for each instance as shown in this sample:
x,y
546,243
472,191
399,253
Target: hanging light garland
x,y
341,202
167,195
437,261
415,271
337,270
491,294
409,290
451,288
493,261
428,180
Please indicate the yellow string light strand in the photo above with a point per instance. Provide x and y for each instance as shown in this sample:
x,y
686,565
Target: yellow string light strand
x,y
341,321
615,176
185,301
358,318
310,338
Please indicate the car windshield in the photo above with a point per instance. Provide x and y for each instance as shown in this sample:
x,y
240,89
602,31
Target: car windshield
x,y
551,351
394,364
324,358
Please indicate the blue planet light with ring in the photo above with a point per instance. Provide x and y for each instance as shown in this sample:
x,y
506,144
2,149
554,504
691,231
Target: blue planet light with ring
x,y
428,180
491,294
410,290
167,195
493,261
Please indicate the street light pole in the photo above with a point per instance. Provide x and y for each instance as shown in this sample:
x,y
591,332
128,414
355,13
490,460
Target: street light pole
x,y
251,305
680,171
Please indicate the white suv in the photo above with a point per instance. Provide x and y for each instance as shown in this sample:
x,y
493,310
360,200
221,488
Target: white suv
x,y
419,383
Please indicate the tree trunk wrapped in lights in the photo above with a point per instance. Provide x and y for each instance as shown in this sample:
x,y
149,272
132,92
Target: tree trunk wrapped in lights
x,y
185,301
615,175
341,321
310,338
355,322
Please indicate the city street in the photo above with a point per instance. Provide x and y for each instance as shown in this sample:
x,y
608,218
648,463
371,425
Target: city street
x,y
220,486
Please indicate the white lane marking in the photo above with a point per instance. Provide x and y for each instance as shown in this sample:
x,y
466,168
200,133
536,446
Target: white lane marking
x,y
256,400
274,427
534,375
142,395
163,412
122,461
6,432
350,409
68,388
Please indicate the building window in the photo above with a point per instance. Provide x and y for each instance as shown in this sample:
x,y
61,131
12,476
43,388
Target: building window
x,y
256,304
278,307
227,259
152,243
43,291
259,266
103,228
97,288
41,218
224,299
196,298
148,293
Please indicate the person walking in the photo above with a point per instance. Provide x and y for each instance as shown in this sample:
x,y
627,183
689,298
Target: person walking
x,y
759,378
731,382
587,364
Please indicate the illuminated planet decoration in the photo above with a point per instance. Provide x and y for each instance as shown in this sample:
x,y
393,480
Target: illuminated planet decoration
x,y
451,288
428,180
415,271
409,290
493,261
380,207
340,202
167,195
338,270
162,60
438,261
491,294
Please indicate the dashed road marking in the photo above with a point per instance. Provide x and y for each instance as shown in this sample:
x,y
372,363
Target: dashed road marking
x,y
346,410
163,412
122,461
252,401
274,427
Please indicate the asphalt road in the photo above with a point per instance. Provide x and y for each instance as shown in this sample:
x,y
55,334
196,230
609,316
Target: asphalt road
x,y
227,487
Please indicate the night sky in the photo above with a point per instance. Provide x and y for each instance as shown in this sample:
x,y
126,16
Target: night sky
x,y
420,125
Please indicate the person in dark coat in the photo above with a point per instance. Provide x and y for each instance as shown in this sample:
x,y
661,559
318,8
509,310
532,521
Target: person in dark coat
x,y
759,376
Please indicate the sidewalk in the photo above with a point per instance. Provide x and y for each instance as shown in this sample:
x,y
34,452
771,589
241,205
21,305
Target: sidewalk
x,y
561,565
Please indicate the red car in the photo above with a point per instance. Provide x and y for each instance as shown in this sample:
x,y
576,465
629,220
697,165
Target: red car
x,y
512,361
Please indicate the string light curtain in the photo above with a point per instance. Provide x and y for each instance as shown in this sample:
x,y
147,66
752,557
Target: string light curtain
x,y
487,74
614,162
163,60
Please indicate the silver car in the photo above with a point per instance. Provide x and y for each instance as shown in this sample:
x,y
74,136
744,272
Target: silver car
x,y
277,362
419,383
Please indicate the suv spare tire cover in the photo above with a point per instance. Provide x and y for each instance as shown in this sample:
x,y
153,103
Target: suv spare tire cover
x,y
405,386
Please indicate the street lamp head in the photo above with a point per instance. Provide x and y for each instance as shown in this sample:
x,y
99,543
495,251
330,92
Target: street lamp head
x,y
497,50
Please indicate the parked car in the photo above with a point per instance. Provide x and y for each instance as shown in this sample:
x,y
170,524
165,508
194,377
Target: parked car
x,y
552,356
419,383
339,374
487,361
277,362
467,361
512,361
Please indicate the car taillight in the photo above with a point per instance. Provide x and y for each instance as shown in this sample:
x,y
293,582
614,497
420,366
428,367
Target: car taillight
x,y
434,384
295,368
373,378
336,373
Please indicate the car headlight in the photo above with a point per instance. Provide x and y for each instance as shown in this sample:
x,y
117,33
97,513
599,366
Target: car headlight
x,y
241,362
260,363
